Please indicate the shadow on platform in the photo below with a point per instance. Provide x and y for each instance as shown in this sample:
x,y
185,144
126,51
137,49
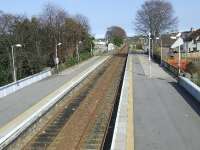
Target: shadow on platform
x,y
194,103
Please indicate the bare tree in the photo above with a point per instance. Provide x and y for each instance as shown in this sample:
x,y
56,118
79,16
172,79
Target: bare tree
x,y
155,17
53,19
83,21
115,31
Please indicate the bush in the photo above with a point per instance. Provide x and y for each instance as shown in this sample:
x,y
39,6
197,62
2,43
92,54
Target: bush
x,y
71,61
118,41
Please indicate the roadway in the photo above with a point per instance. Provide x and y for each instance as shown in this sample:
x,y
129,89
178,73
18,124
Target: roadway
x,y
166,117
15,104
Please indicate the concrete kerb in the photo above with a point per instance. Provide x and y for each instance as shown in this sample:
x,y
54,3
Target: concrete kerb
x,y
123,134
190,87
14,128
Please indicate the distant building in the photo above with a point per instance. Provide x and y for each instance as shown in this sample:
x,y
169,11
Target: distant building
x,y
111,47
192,42
100,46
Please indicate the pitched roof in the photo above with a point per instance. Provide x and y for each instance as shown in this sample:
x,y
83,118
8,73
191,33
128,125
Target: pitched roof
x,y
193,35
186,35
167,41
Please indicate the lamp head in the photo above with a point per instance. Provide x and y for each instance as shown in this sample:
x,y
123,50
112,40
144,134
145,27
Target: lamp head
x,y
179,34
18,45
173,37
59,44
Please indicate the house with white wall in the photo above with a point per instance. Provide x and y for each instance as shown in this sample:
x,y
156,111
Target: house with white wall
x,y
192,41
198,43
100,46
111,47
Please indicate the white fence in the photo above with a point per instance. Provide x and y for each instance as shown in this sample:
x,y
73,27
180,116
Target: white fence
x,y
13,87
192,88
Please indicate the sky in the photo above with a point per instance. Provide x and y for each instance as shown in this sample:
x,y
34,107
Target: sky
x,y
105,13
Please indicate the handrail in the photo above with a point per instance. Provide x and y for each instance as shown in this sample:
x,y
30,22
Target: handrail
x,y
171,68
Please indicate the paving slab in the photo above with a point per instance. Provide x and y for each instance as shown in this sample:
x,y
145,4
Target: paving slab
x,y
166,117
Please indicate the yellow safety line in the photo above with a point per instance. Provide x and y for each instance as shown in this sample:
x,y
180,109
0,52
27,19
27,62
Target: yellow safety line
x,y
130,128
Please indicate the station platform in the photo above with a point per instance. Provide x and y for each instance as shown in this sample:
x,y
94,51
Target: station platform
x,y
20,109
154,112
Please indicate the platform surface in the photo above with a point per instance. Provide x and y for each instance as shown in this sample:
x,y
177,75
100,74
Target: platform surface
x,y
13,105
165,115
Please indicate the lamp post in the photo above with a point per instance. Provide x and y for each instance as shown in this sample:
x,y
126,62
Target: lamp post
x,y
77,50
149,55
91,49
149,46
180,42
161,51
152,45
13,61
56,58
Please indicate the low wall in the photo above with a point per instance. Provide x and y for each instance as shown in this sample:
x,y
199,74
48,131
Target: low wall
x,y
13,87
186,83
189,86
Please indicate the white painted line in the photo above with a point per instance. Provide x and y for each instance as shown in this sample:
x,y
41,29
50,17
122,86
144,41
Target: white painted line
x,y
130,126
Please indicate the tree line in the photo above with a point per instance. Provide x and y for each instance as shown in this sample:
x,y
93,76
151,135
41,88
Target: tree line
x,y
39,36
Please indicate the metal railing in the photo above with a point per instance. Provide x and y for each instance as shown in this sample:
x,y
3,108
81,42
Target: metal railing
x,y
170,68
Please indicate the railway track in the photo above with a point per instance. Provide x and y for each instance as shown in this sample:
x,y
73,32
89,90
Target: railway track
x,y
81,119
